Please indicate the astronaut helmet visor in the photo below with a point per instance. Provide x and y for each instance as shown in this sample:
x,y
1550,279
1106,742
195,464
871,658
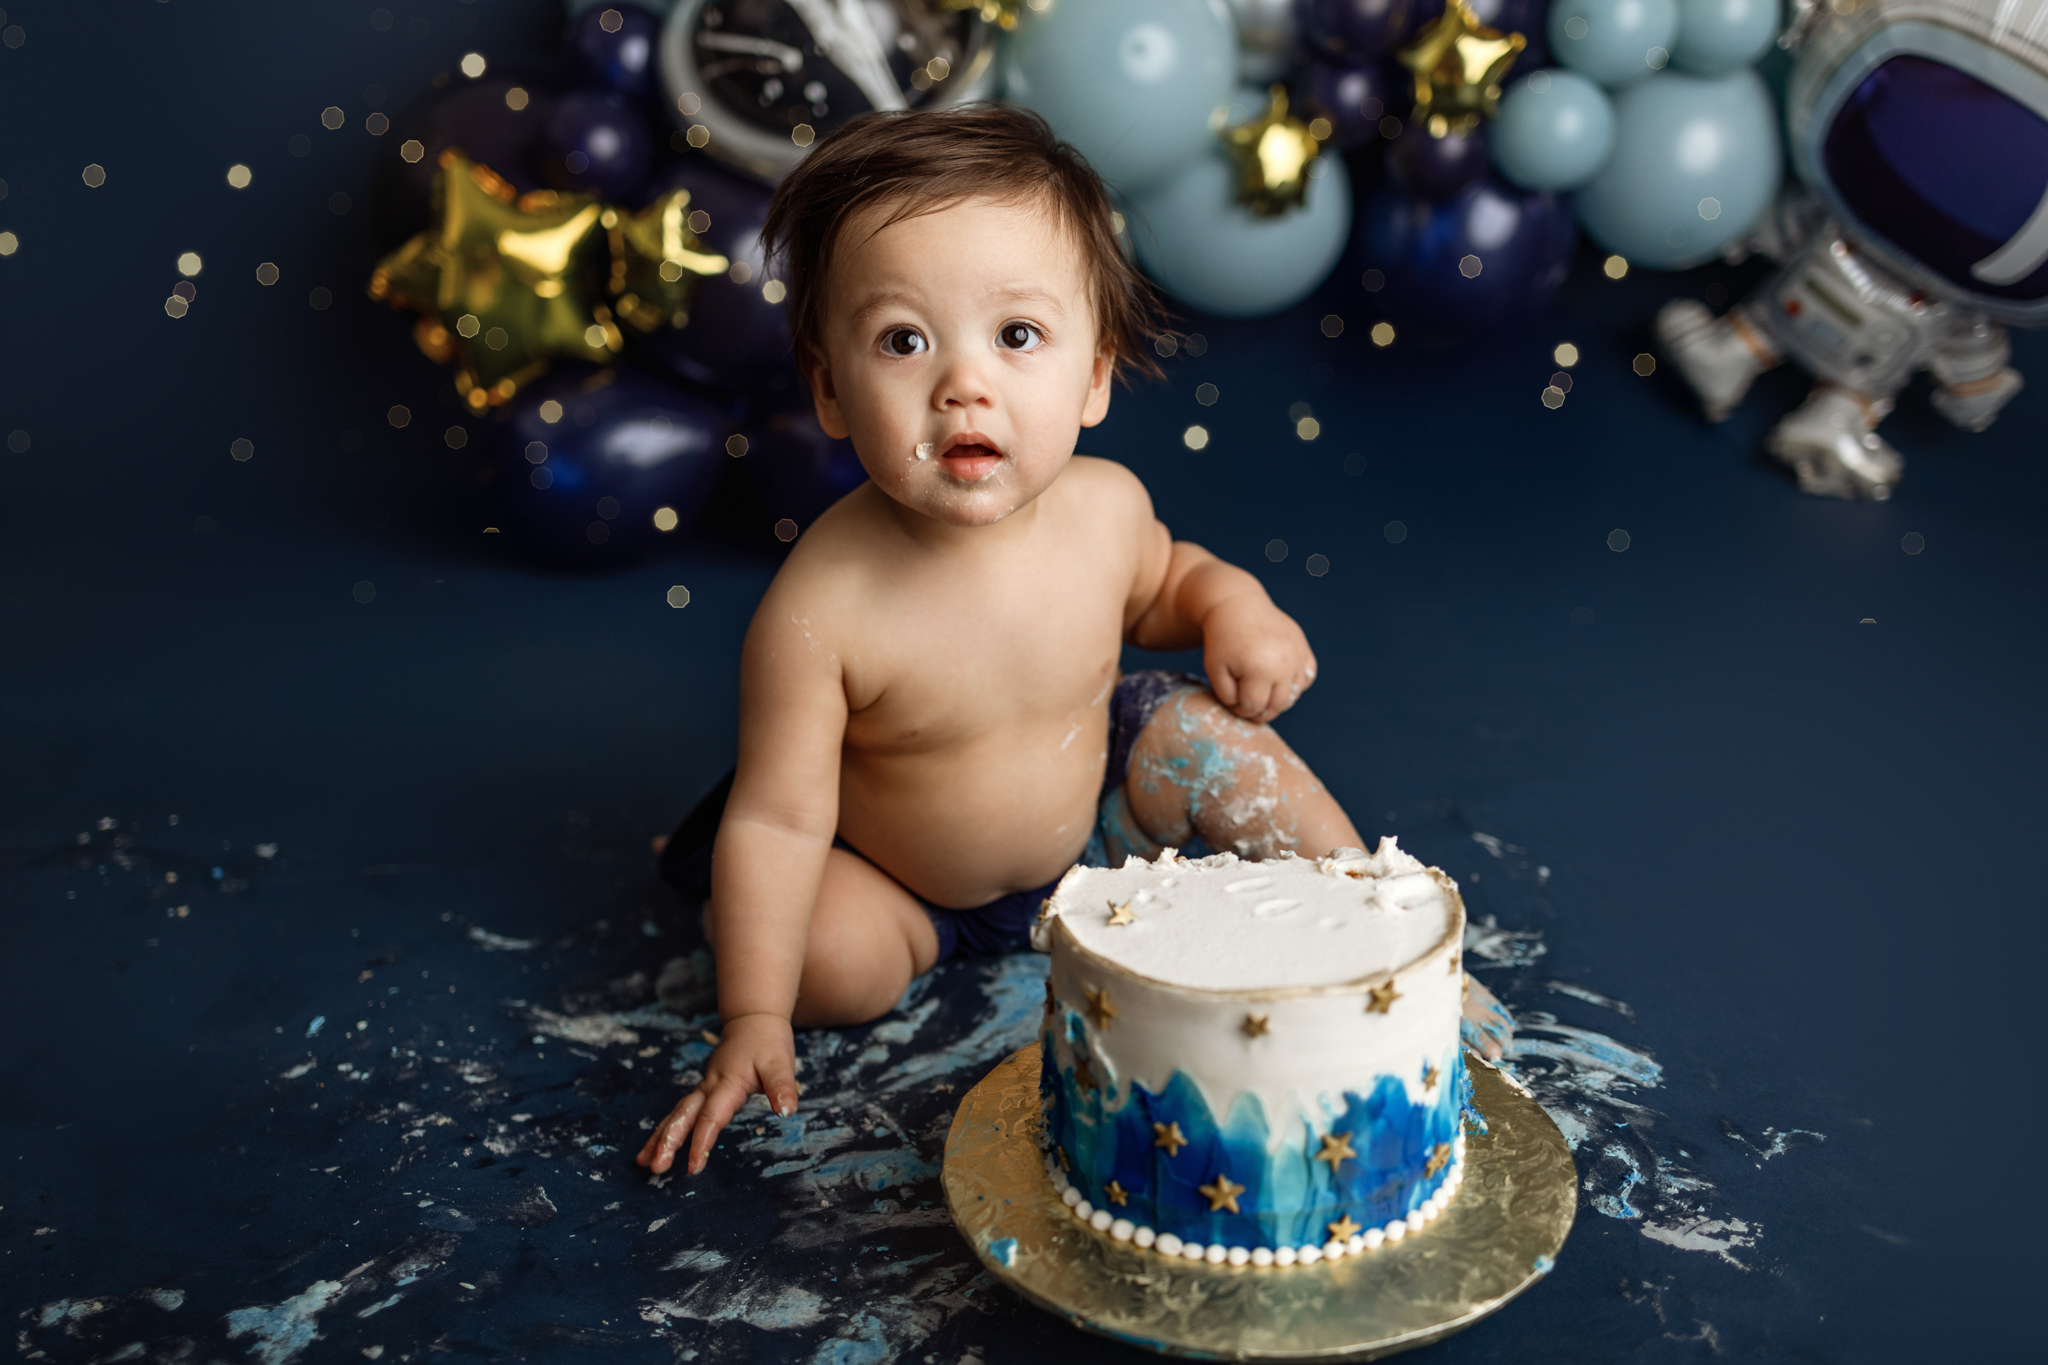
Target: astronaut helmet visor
x,y
1951,171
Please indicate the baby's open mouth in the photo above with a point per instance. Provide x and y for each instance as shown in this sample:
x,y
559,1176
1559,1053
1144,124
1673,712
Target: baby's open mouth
x,y
969,458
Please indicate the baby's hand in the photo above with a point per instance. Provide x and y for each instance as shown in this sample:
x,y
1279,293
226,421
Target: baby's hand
x,y
757,1055
1258,661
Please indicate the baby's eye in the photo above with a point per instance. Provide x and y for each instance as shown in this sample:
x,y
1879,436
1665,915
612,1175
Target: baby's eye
x,y
1019,336
904,341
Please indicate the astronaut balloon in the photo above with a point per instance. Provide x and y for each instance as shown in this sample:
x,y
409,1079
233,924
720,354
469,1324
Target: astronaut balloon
x,y
1920,130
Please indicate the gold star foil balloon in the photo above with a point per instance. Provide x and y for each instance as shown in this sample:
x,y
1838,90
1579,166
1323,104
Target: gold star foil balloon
x,y
1272,152
1004,14
506,283
1458,64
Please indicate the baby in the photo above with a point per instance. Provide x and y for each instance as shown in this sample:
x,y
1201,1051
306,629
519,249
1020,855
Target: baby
x,y
933,727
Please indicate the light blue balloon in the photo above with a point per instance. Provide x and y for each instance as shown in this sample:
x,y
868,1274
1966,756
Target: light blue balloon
x,y
1131,83
1695,165
1205,250
1555,131
1716,37
1615,42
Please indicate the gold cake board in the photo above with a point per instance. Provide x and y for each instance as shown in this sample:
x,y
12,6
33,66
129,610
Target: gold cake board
x,y
1500,1234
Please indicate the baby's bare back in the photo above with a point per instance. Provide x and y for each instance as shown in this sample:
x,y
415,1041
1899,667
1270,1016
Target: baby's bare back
x,y
976,671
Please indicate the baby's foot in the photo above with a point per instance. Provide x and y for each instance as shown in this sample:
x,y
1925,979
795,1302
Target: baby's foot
x,y
1487,1027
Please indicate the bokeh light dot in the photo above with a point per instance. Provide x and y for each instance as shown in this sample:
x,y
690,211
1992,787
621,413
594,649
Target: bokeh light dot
x,y
94,175
399,415
376,125
1332,325
17,441
9,244
1383,334
550,411
364,592
189,263
1614,267
1566,355
678,597
1195,437
1317,565
1395,532
266,274
456,436
1617,540
412,149
736,446
243,449
1913,542
1276,550
1207,394
665,519
1308,428
473,64
239,176
1645,364
516,98
785,530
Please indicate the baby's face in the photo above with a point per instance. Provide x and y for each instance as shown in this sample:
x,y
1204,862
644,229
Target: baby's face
x,y
960,355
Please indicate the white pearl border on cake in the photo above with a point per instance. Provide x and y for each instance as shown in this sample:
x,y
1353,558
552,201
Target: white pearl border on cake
x,y
1371,1239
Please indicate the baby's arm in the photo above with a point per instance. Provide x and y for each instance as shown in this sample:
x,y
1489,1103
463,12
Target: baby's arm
x,y
1257,658
766,867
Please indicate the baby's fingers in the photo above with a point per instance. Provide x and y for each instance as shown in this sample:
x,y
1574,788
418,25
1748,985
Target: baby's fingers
x,y
659,1152
724,1100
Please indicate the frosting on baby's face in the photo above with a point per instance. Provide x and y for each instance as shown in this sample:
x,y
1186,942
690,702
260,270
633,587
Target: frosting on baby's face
x,y
961,356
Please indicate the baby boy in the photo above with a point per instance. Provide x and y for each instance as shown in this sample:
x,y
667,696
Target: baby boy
x,y
933,727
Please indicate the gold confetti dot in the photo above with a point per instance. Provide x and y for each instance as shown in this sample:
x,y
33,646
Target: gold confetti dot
x,y
803,135
551,412
665,519
1320,129
376,125
1195,437
331,117
516,98
176,307
678,596
9,244
1470,266
189,263
243,449
741,272
1566,355
1308,428
472,64
94,175
239,176
1333,326
736,446
611,21
938,68
467,325
593,336
774,291
698,136
688,103
399,415
1383,334
411,150
266,274
1553,397
1645,364
1614,267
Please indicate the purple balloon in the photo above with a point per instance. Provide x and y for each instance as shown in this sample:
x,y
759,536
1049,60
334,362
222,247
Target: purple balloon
x,y
583,491
1353,99
1356,31
735,337
472,119
620,59
1437,168
797,470
596,143
1446,271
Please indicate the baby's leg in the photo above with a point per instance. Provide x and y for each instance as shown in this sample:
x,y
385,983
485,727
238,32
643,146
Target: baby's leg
x,y
1198,769
869,937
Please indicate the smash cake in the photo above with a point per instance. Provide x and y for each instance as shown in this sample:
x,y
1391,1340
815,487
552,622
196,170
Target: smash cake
x,y
1255,1062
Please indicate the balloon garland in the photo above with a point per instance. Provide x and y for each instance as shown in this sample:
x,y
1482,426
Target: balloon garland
x,y
604,214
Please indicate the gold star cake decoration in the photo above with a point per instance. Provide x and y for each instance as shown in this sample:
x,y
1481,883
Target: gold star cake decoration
x,y
1429,1075
1458,63
1336,1150
1256,1025
1118,1195
1383,997
1344,1229
1099,1008
1168,1135
1222,1194
1438,1155
1272,151
1121,914
1084,1074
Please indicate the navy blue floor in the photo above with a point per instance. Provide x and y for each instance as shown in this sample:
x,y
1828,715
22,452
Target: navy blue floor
x,y
337,990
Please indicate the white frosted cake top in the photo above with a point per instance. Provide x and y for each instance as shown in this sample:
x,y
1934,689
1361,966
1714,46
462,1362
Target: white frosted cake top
x,y
1221,923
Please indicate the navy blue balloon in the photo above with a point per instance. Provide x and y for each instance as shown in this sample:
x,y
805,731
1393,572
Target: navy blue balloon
x,y
735,338
622,60
1353,98
473,119
797,470
584,490
1437,168
1356,31
1453,269
596,142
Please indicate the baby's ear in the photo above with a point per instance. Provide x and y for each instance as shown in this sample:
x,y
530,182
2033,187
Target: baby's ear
x,y
1096,406
825,396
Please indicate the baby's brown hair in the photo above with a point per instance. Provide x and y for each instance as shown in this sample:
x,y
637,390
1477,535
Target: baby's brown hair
x,y
921,161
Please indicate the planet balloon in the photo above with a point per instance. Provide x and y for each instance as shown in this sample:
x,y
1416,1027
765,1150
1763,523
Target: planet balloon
x,y
596,142
1437,168
1356,32
1447,271
613,46
1353,99
796,469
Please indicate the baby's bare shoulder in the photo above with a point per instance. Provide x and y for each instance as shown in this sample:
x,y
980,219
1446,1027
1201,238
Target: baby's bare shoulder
x,y
1106,494
830,571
